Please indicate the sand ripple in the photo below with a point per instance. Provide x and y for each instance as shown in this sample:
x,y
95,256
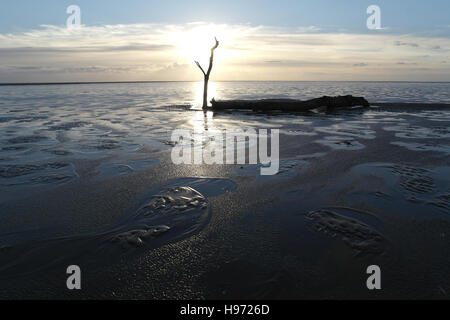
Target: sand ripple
x,y
341,143
176,213
359,236
173,214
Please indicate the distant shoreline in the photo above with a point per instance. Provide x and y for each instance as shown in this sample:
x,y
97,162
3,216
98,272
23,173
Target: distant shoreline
x,y
174,81
80,83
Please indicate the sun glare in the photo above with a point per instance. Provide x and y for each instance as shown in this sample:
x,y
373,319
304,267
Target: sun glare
x,y
195,44
198,89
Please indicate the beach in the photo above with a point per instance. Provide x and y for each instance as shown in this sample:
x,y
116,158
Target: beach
x,y
86,171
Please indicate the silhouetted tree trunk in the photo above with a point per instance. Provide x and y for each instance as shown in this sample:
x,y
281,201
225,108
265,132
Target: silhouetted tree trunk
x,y
206,75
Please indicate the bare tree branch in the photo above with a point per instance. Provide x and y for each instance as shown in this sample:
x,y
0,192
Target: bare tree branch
x,y
206,74
212,57
198,65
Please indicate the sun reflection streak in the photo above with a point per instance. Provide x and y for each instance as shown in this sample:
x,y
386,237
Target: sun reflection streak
x,y
201,120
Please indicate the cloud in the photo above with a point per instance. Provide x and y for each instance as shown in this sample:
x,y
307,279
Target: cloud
x,y
50,50
82,69
246,52
408,44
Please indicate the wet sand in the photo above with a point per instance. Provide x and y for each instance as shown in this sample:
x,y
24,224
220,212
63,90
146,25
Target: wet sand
x,y
355,188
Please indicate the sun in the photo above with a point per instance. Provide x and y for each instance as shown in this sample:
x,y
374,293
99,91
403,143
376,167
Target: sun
x,y
196,42
194,45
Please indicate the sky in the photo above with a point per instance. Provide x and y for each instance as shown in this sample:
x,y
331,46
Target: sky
x,y
138,40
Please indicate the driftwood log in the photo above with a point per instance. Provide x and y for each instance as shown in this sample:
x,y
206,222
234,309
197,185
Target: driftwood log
x,y
329,103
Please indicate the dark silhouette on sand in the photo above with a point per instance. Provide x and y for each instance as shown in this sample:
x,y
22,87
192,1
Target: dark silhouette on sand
x,y
329,103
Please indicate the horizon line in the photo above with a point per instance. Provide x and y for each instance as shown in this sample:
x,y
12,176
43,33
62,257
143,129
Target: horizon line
x,y
169,81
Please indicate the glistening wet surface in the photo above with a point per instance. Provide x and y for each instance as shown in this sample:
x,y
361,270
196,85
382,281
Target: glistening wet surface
x,y
177,212
86,178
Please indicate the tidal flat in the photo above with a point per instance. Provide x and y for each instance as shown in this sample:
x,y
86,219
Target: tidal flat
x,y
87,179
